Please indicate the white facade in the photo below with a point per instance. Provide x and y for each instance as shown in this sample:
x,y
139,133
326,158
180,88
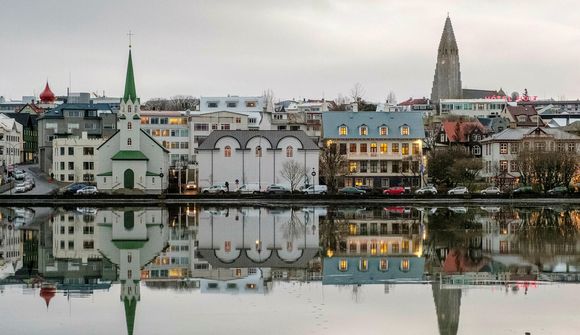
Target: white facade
x,y
74,158
171,130
255,157
472,107
11,141
73,235
253,107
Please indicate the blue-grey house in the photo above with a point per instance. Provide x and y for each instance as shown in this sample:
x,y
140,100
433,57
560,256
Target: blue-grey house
x,y
354,270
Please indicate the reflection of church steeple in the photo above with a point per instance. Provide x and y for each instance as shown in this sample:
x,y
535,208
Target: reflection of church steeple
x,y
130,239
447,307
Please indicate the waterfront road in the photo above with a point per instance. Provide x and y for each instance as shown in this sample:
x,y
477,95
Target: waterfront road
x,y
43,186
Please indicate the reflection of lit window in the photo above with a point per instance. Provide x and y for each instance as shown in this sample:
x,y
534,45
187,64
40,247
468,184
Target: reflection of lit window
x,y
250,286
343,265
228,246
383,264
373,248
289,246
352,229
238,272
383,247
289,151
405,265
258,151
405,247
228,151
395,248
258,245
363,264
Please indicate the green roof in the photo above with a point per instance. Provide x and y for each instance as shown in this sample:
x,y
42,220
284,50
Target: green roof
x,y
105,174
136,117
124,244
129,155
130,307
151,174
130,91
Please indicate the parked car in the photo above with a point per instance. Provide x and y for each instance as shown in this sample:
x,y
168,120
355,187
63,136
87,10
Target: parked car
x,y
351,190
523,190
558,190
73,188
458,190
491,190
29,185
190,186
31,181
426,190
394,190
215,189
20,188
315,189
277,189
19,174
369,189
249,189
88,190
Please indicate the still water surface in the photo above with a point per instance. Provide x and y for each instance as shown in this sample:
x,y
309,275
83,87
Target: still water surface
x,y
291,270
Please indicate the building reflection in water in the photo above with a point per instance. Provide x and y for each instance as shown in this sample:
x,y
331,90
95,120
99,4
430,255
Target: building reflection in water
x,y
245,250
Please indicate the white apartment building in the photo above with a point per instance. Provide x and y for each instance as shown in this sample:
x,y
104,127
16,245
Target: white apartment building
x,y
472,107
11,141
201,124
74,158
172,130
73,235
500,151
253,107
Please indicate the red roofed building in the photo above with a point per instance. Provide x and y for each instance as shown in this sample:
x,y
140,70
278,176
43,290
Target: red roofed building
x,y
466,133
421,104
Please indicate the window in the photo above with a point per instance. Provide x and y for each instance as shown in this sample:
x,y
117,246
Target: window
x,y
363,166
384,148
560,147
363,264
405,149
352,167
129,258
363,147
251,104
71,245
289,151
342,149
258,151
514,148
238,120
228,151
395,167
476,150
129,109
352,147
373,149
395,148
62,151
405,130
232,105
503,148
571,147
363,130
514,166
88,245
374,166
228,246
405,167
383,131
212,104
62,165
129,142
225,126
201,127
383,263
88,151
503,165
71,151
71,165
343,265
540,146
416,149
342,131
384,166
129,125
405,265
88,165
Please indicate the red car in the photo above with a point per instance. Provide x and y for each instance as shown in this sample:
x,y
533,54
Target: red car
x,y
395,190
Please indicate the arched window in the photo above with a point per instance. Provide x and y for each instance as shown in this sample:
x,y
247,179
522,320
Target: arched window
x,y
383,131
258,151
129,125
129,142
228,151
342,131
364,130
405,130
128,109
289,151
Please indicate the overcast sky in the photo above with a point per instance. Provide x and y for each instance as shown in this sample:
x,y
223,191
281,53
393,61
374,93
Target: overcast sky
x,y
298,49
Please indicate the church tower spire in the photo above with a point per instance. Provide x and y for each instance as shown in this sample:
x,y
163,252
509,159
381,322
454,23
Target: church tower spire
x,y
447,79
129,123
130,91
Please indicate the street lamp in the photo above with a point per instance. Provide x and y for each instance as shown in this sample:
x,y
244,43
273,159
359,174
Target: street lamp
x,y
313,173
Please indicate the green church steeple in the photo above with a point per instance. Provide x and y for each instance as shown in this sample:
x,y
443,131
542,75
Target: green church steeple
x,y
130,307
130,91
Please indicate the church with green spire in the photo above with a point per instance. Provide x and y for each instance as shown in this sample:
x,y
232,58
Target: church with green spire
x,y
131,159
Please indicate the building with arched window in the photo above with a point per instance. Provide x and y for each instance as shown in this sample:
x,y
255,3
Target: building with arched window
x,y
131,158
255,157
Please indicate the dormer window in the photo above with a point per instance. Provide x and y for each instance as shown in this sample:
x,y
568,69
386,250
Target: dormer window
x,y
343,130
343,265
363,130
363,265
383,131
405,265
405,131
383,264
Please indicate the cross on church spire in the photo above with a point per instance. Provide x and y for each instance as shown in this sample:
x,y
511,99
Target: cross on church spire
x,y
130,34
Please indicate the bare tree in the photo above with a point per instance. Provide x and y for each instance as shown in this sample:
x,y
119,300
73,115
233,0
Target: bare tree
x,y
546,168
294,173
357,92
332,166
269,100
391,98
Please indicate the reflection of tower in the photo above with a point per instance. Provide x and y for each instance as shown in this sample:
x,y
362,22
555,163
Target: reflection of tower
x,y
447,307
131,238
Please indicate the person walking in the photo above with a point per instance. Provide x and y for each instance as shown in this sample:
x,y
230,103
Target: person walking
x,y
227,187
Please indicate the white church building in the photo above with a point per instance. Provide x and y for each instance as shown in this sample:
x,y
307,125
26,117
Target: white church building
x,y
131,159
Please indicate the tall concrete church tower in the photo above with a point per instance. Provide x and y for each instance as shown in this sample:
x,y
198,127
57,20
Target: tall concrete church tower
x,y
447,81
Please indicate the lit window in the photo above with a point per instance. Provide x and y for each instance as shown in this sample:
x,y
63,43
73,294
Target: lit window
x,y
343,265
364,131
129,142
503,148
383,131
228,246
258,151
405,149
289,151
405,130
383,264
363,264
383,148
352,168
343,130
228,151
405,265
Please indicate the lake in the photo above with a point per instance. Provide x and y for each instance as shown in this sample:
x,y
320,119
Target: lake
x,y
289,270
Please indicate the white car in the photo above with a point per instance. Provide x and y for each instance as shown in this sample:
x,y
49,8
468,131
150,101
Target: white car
x,y
249,189
88,190
491,190
190,185
426,190
19,175
215,189
458,190
20,188
315,189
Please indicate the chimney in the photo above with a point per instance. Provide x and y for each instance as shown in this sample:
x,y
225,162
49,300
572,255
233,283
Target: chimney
x,y
354,106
